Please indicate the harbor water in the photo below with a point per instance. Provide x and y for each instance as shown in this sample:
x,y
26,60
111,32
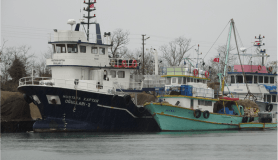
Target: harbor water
x,y
239,145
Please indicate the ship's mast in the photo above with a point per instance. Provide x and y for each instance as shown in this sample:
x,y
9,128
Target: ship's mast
x,y
259,50
89,9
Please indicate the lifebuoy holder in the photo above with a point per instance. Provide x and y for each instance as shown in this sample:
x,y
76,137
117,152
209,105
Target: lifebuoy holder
x,y
195,72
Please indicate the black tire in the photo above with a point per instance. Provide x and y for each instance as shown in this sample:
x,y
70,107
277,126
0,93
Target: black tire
x,y
197,113
206,114
127,99
28,99
244,119
270,107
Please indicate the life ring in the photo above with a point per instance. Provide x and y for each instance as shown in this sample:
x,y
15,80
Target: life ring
x,y
195,72
114,100
259,67
28,99
127,99
206,114
134,63
207,74
270,69
124,64
197,113
244,119
269,107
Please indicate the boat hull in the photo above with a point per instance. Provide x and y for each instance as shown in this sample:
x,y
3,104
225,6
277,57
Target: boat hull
x,y
88,111
174,118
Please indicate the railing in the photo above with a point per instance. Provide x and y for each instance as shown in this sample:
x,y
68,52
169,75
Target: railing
x,y
124,63
91,85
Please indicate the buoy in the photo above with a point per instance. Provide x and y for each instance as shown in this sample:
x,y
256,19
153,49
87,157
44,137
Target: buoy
x,y
207,74
259,67
195,72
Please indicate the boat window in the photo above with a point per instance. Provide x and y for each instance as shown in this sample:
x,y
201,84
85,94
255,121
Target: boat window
x,y
255,79
198,80
113,74
179,80
61,48
174,80
94,50
184,80
264,98
249,79
121,74
232,79
192,80
192,103
188,79
265,79
208,103
54,50
239,79
201,102
72,48
273,98
261,79
195,80
82,49
204,81
268,98
271,80
101,51
168,81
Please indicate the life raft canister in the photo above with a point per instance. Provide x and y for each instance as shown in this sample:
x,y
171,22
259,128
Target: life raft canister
x,y
259,67
207,74
195,72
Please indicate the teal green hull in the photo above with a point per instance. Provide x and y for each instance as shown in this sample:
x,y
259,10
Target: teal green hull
x,y
173,118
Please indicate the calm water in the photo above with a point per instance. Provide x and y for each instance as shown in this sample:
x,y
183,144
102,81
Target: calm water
x,y
237,145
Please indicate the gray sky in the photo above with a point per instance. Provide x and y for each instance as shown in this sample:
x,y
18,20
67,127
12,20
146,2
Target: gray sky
x,y
30,21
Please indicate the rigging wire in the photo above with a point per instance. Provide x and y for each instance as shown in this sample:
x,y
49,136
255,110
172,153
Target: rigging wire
x,y
216,39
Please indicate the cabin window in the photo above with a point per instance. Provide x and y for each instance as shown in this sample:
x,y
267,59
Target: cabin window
x,y
271,80
101,51
82,49
265,79
195,80
273,98
192,103
174,80
208,103
168,81
239,79
198,80
201,102
184,80
179,80
255,79
113,74
249,79
232,79
54,50
268,98
188,79
94,50
121,74
264,98
261,79
72,48
61,48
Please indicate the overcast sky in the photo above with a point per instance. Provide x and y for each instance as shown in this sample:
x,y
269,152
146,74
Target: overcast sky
x,y
29,22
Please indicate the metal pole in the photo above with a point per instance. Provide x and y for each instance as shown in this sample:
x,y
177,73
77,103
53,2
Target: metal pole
x,y
143,54
88,20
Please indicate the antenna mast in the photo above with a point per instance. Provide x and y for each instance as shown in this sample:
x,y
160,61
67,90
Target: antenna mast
x,y
259,50
89,9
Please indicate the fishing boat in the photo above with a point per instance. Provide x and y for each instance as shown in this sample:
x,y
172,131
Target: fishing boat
x,y
186,103
260,80
85,92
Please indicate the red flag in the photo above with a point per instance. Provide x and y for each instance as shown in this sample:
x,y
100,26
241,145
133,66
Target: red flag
x,y
92,6
216,60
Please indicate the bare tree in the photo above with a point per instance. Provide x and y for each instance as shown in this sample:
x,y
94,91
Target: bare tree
x,y
119,40
40,66
176,50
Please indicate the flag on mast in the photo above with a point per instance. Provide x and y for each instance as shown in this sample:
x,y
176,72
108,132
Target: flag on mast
x,y
216,60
